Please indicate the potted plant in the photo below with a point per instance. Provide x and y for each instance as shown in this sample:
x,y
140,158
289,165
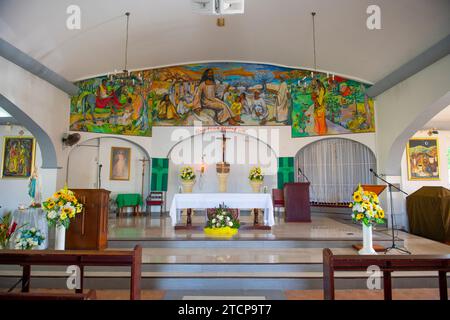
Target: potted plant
x,y
366,210
256,179
222,223
7,229
187,176
60,208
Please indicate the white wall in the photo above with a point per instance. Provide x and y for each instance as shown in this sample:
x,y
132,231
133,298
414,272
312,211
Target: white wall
x,y
46,105
14,191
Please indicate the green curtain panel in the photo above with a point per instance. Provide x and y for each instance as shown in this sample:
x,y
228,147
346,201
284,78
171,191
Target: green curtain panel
x,y
160,174
285,171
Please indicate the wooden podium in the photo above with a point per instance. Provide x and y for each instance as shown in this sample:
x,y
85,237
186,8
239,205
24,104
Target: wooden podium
x,y
89,229
296,202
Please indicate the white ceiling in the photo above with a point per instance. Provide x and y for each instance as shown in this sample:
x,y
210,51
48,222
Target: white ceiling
x,y
165,32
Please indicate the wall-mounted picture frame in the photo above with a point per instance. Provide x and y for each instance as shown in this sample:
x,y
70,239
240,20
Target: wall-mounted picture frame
x,y
120,163
422,156
18,157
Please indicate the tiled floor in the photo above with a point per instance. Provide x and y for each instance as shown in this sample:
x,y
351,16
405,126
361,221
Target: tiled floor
x,y
144,227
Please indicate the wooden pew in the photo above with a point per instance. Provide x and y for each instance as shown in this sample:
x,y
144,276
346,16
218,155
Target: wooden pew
x,y
387,264
80,258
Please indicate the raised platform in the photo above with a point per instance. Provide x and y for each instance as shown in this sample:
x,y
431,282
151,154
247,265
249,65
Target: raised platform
x,y
288,257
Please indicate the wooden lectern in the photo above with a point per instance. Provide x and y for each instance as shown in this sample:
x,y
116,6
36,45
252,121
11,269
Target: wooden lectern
x,y
296,202
89,229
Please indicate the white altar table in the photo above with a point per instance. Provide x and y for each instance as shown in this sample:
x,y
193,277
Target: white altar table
x,y
232,200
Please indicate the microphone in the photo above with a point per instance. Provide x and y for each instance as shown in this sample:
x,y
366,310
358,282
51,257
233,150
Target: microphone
x,y
371,170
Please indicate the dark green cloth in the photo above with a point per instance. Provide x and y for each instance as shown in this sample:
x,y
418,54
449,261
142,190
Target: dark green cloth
x,y
429,213
285,172
160,174
129,200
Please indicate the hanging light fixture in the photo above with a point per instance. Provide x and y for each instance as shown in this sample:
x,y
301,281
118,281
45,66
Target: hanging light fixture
x,y
126,78
313,14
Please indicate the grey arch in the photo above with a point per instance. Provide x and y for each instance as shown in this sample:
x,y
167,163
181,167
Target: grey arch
x,y
398,146
219,131
104,137
49,160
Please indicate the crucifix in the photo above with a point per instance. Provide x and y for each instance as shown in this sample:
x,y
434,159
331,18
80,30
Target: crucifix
x,y
144,161
224,145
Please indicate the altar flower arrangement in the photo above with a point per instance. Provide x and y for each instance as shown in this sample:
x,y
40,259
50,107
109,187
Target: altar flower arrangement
x,y
222,223
7,230
61,207
366,208
256,174
29,239
187,173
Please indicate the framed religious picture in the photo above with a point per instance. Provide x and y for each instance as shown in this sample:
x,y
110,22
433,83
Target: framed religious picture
x,y
120,163
18,157
422,156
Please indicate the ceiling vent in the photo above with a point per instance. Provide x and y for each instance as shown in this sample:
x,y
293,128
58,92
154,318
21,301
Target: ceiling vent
x,y
218,7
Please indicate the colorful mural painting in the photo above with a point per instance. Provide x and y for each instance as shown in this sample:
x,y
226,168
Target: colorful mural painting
x,y
330,105
224,93
106,106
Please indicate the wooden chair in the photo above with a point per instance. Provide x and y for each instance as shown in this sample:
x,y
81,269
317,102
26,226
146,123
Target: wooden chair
x,y
278,199
155,198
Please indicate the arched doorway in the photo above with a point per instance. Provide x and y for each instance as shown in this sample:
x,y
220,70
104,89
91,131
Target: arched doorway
x,y
89,166
334,167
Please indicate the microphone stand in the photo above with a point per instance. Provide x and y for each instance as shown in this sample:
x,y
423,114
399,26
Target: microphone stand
x,y
301,172
100,175
390,186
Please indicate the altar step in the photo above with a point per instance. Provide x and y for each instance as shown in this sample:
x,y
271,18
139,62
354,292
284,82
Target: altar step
x,y
244,243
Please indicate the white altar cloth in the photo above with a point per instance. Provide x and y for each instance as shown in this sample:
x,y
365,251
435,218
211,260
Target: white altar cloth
x,y
231,200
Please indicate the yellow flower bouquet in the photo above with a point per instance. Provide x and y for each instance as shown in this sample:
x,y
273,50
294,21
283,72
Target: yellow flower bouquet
x,y
366,207
187,173
256,174
61,207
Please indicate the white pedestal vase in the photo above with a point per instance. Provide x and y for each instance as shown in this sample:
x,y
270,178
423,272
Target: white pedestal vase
x,y
188,185
60,237
367,241
256,185
223,181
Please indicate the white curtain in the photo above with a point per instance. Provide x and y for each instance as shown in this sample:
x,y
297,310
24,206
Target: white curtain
x,y
334,167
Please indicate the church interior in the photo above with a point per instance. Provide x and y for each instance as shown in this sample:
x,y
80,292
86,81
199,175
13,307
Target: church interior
x,y
224,149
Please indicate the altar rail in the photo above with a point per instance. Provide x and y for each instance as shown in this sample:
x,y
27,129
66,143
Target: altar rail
x,y
387,264
80,258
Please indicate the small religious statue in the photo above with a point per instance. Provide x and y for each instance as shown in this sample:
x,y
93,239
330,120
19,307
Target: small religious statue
x,y
223,168
34,189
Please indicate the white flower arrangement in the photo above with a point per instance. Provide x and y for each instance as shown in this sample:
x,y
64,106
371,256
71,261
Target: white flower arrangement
x,y
187,173
29,239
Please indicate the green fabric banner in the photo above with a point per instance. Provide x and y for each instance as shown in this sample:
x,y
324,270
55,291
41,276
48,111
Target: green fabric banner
x,y
160,174
285,172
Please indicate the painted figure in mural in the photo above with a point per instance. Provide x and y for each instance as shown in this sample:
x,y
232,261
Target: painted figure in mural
x,y
320,111
106,97
283,101
236,107
246,107
205,97
166,110
259,110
